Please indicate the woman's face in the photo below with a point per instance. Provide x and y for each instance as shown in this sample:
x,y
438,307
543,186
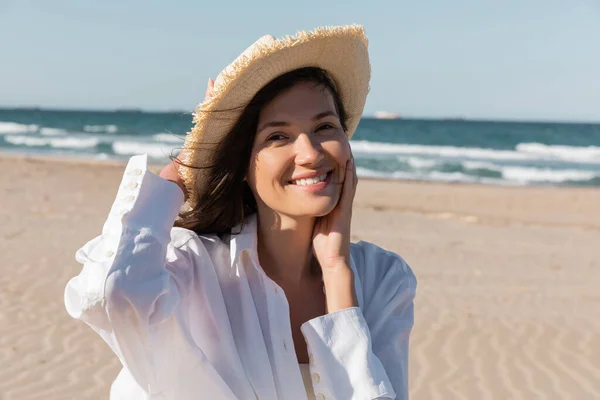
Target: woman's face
x,y
299,153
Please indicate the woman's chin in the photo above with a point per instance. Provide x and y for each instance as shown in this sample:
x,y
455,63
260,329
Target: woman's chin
x,y
314,210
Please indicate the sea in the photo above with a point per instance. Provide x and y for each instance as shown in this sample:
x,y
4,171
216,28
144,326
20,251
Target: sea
x,y
446,150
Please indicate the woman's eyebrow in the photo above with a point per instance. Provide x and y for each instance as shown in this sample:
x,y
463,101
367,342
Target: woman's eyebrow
x,y
272,124
324,114
277,124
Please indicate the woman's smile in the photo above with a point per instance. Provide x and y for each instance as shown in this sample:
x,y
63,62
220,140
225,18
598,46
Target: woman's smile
x,y
312,183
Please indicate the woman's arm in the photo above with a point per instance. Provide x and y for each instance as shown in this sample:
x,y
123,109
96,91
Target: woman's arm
x,y
126,285
363,353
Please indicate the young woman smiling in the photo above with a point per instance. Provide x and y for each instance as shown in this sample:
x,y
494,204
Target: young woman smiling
x,y
255,291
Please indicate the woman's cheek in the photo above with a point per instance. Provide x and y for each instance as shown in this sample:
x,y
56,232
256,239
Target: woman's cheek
x,y
341,152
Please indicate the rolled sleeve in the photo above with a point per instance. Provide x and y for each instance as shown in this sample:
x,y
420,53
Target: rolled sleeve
x,y
343,365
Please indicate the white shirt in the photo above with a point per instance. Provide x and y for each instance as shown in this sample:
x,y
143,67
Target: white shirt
x,y
196,317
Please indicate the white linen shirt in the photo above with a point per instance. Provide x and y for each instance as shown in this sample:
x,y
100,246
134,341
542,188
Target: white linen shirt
x,y
196,317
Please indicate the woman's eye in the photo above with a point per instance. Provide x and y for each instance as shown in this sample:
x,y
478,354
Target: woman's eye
x,y
326,126
275,137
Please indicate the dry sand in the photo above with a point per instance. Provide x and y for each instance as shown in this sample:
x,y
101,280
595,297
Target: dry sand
x,y
508,305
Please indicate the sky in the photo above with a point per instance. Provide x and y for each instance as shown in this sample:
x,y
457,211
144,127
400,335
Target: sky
x,y
479,59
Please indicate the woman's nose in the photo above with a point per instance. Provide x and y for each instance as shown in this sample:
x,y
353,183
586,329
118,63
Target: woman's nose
x,y
307,151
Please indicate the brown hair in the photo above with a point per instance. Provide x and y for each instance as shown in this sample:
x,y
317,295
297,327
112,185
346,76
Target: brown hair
x,y
225,199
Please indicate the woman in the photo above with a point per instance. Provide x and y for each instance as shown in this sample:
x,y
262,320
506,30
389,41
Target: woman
x,y
257,292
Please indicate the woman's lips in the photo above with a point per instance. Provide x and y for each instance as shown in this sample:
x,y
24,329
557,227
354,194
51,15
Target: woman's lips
x,y
315,187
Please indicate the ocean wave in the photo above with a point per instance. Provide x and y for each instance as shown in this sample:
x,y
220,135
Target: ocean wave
x,y
100,128
546,175
429,176
567,153
52,131
363,146
533,174
13,127
154,150
522,152
480,165
505,175
55,142
420,163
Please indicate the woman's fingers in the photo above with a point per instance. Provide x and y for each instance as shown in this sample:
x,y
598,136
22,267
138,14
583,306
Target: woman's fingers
x,y
209,88
349,186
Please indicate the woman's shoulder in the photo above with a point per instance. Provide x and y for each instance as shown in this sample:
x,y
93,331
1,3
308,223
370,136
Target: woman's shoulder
x,y
377,266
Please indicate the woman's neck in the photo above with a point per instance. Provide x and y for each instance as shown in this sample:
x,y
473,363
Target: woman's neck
x,y
285,247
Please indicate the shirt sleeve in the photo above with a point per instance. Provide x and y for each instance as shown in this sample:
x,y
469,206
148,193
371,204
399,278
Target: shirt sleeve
x,y
126,286
356,355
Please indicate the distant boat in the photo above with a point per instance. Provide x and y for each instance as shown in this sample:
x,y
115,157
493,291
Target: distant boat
x,y
386,115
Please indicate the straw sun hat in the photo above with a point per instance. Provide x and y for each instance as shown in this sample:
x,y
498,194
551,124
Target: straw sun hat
x,y
341,51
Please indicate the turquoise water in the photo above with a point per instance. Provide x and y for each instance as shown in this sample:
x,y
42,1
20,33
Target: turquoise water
x,y
513,153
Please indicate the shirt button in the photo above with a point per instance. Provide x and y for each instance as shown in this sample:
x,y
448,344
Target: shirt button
x,y
135,172
316,378
132,185
311,361
129,198
110,253
320,396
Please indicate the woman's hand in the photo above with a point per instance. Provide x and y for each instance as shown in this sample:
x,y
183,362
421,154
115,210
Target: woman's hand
x,y
171,171
331,234
331,246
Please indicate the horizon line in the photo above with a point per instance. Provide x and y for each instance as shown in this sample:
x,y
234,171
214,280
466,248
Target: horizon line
x,y
396,116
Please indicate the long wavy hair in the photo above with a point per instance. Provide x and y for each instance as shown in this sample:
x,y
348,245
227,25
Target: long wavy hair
x,y
225,199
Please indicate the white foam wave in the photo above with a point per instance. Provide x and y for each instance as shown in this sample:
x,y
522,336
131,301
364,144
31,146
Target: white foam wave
x,y
480,165
53,131
511,175
420,163
100,128
532,174
55,142
568,153
168,138
13,127
363,146
430,176
522,152
154,150
541,175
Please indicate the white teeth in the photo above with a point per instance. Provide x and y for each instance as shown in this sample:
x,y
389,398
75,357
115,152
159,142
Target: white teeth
x,y
309,181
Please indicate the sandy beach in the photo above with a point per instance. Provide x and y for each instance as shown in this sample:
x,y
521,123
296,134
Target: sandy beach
x,y
508,304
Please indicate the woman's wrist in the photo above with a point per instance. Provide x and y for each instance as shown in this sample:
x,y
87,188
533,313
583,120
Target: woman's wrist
x,y
339,288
